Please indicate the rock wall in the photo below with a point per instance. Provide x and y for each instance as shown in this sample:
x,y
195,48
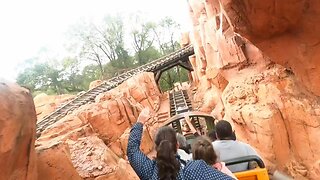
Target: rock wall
x,y
46,104
54,163
17,133
287,32
91,141
255,65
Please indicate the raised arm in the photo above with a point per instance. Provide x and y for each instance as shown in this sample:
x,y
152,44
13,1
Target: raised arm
x,y
192,128
141,164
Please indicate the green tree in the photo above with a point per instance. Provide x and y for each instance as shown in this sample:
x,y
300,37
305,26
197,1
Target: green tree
x,y
166,35
41,77
88,74
90,51
54,77
104,43
72,79
110,36
142,39
100,52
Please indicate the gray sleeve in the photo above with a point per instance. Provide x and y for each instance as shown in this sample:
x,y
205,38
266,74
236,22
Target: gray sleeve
x,y
250,150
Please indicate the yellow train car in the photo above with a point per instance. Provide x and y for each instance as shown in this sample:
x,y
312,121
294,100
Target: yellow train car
x,y
258,172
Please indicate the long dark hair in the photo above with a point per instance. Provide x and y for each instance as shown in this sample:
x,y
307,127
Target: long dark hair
x,y
203,149
166,146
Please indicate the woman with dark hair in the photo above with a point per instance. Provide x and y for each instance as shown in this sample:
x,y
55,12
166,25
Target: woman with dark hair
x,y
202,149
167,165
166,146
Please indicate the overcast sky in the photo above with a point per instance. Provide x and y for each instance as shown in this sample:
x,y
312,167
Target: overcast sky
x,y
29,26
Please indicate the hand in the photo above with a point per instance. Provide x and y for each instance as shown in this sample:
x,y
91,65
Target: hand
x,y
144,116
192,128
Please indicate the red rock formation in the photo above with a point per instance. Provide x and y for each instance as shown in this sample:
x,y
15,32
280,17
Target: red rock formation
x,y
92,158
255,65
286,31
46,104
273,108
93,138
54,163
279,117
17,133
146,142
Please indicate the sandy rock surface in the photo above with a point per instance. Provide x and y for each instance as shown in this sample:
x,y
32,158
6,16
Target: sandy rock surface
x,y
93,138
17,133
46,104
255,65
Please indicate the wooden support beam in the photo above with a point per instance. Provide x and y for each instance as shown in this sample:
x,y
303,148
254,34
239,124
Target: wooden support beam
x,y
157,76
186,64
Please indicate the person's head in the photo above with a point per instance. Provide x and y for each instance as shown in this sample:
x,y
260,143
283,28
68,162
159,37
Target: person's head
x,y
212,135
182,142
224,130
166,146
234,136
202,149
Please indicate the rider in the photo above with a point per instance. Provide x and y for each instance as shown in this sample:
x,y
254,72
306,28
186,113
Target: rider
x,y
183,149
203,149
228,148
166,165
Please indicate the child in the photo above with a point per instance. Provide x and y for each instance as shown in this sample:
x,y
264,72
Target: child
x,y
203,149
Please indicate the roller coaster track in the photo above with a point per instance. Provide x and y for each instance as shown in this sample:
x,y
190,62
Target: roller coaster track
x,y
179,104
157,66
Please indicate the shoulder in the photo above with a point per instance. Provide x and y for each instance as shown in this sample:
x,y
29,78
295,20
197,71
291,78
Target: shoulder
x,y
248,146
201,170
216,143
222,143
250,150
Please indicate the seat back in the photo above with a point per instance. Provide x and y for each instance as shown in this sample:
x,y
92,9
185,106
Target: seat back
x,y
254,174
258,173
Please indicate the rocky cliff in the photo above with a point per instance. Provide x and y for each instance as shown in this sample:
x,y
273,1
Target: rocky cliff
x,y
255,65
46,104
90,143
17,133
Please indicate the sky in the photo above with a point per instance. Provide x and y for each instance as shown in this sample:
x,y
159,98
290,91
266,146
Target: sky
x,y
28,27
